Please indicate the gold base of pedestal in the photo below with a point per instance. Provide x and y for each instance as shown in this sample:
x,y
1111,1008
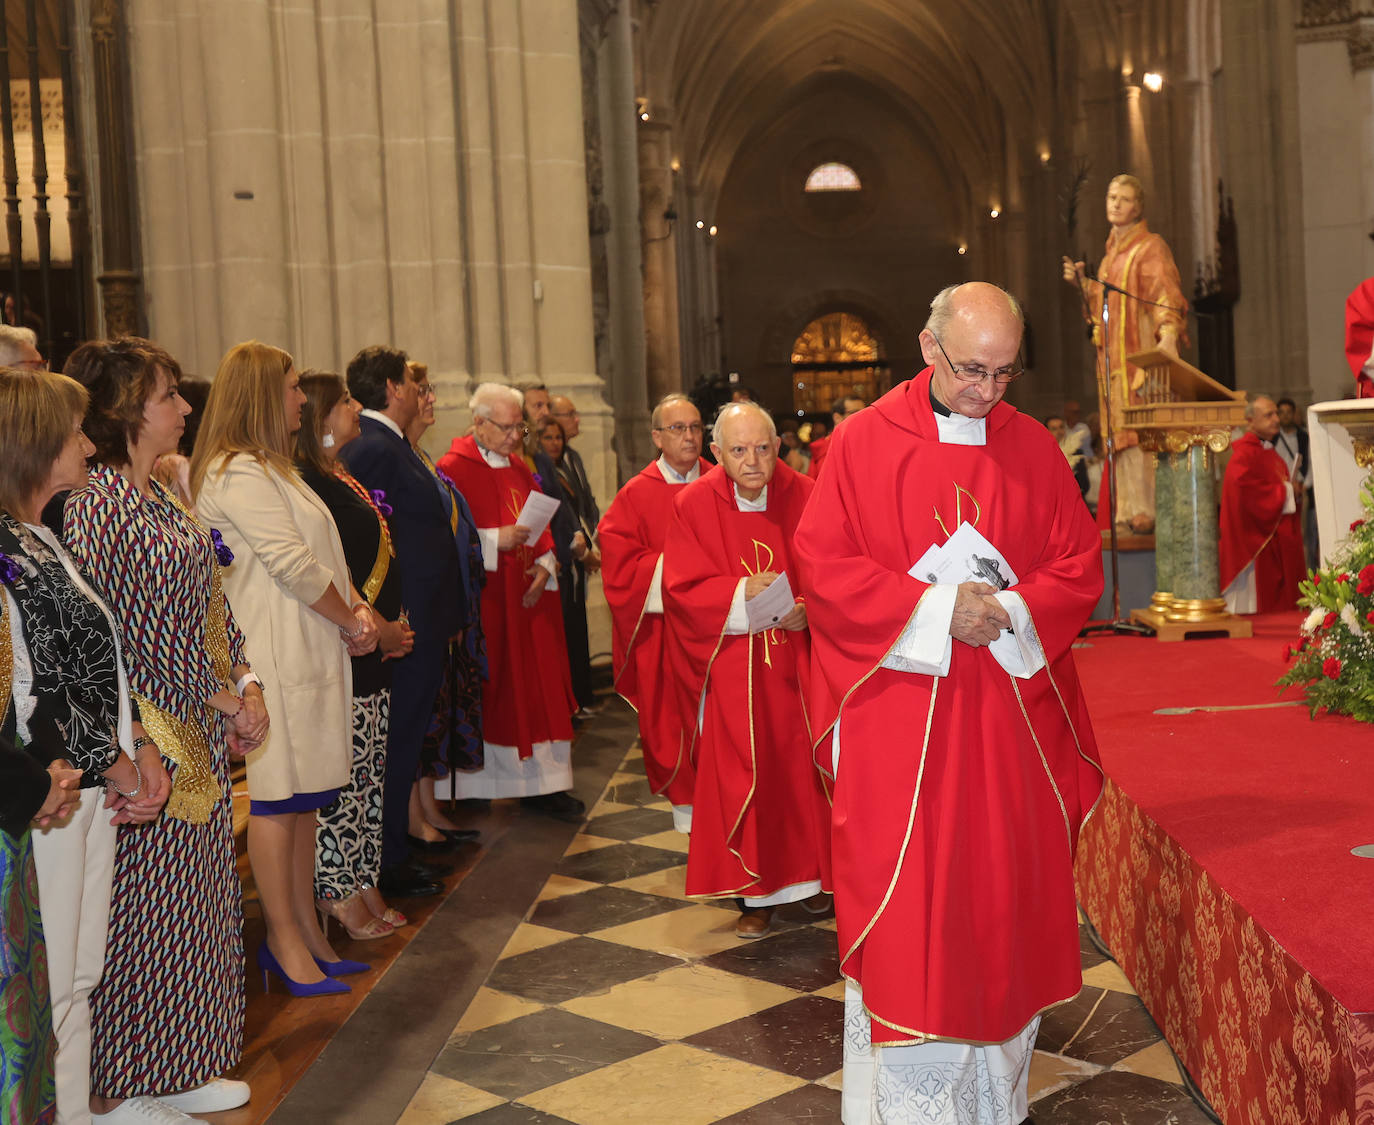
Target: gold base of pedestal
x,y
1170,630
1161,602
1190,611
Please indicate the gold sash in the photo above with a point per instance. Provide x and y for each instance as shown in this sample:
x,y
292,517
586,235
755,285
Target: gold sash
x,y
195,790
6,662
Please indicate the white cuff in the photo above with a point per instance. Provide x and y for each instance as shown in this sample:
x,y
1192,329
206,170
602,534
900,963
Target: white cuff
x,y
925,644
737,624
490,552
1290,502
1018,649
654,602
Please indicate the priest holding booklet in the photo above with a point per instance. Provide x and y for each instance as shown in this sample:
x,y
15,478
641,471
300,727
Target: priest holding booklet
x,y
738,641
963,756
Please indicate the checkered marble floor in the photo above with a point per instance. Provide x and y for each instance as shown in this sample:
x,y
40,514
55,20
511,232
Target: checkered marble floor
x,y
619,1000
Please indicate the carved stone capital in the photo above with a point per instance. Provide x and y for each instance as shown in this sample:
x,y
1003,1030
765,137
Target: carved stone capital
x,y
1364,453
1180,440
1360,44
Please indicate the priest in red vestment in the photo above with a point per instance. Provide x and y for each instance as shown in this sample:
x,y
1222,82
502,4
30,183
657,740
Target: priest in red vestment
x,y
527,704
1359,336
944,691
760,817
849,404
1261,551
631,534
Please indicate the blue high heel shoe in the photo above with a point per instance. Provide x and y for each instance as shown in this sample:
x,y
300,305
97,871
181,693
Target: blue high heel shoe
x,y
341,968
269,964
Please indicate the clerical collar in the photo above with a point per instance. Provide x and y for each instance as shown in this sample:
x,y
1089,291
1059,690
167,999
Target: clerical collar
x,y
1265,442
758,505
495,460
378,416
957,429
672,476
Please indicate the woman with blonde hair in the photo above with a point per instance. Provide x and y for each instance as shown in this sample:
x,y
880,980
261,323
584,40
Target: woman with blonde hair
x,y
301,619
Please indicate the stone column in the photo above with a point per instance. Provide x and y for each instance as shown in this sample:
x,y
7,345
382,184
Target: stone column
x,y
662,361
620,159
1197,585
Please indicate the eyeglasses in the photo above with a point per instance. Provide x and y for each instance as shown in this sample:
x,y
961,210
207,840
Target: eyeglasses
x,y
566,413
967,374
513,428
677,429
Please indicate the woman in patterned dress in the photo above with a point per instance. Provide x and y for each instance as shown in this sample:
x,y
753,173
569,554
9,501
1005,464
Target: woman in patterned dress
x,y
69,686
348,836
167,1019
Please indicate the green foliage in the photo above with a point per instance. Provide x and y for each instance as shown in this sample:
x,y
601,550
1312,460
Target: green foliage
x,y
1334,655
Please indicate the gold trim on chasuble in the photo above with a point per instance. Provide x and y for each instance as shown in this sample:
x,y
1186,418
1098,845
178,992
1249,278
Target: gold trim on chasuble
x,y
770,636
959,493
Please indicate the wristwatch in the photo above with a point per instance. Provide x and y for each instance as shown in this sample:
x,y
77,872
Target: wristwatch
x,y
246,679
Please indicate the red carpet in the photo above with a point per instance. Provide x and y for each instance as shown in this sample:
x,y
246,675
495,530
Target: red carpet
x,y
1218,869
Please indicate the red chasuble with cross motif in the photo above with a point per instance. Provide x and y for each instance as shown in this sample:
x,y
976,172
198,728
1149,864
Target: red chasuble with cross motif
x,y
760,817
632,534
958,798
529,696
1255,529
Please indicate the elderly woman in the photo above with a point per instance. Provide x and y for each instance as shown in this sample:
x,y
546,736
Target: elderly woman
x,y
348,837
165,1027
301,619
68,675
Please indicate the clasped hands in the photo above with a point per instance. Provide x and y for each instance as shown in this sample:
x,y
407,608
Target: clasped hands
x,y
755,584
147,796
978,616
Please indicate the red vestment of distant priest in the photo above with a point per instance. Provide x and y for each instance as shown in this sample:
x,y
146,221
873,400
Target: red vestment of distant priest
x,y
760,816
631,535
818,449
1253,526
529,696
959,798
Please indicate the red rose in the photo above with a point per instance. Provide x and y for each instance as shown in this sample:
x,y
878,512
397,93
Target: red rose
x,y
1288,652
1370,616
1328,620
1356,525
1331,668
1366,586
1344,576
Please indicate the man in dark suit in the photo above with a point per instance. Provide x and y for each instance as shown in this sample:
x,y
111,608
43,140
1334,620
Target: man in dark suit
x,y
434,598
586,556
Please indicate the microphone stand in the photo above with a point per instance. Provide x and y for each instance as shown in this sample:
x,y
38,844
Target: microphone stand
x,y
1117,626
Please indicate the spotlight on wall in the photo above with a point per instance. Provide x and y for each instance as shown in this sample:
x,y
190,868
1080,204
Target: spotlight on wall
x,y
642,108
701,224
713,229
963,249
1153,81
675,164
1044,156
994,213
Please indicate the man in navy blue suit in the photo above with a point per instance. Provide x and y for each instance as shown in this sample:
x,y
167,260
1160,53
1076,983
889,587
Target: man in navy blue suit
x,y
433,592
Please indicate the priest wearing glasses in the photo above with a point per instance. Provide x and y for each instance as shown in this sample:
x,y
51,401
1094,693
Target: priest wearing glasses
x,y
963,757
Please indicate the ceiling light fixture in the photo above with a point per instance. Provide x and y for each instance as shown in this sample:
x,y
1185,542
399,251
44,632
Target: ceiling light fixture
x,y
1154,81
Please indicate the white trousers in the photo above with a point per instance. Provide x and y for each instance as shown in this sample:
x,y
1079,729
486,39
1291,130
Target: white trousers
x,y
936,1083
75,865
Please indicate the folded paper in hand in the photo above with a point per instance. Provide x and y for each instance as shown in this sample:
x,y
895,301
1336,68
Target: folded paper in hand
x,y
536,513
966,556
770,605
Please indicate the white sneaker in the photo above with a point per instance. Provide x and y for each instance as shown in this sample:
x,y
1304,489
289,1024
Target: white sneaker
x,y
215,1096
144,1110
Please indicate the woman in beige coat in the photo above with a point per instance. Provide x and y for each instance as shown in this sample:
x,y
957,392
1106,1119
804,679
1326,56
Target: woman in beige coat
x,y
301,619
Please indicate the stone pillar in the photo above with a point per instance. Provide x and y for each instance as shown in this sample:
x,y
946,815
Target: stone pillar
x,y
662,361
1197,585
620,159
1166,538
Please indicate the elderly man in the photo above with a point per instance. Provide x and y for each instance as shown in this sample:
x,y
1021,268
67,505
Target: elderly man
x,y
527,703
1261,532
964,761
633,532
760,818
19,348
427,559
586,556
1150,313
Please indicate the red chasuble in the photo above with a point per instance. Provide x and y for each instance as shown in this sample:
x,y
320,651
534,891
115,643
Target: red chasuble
x,y
760,817
1253,525
529,696
958,799
818,449
631,535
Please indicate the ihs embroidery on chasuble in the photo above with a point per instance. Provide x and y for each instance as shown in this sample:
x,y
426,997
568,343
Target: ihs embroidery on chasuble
x,y
965,505
770,637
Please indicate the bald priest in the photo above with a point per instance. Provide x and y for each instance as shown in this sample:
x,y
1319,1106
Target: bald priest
x,y
948,563
760,817
631,534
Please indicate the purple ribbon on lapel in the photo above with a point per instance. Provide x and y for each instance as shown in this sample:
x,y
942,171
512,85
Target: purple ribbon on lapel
x,y
9,570
379,498
222,552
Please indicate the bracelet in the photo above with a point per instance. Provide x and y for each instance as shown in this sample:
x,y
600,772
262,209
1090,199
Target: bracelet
x,y
141,741
246,679
354,634
137,789
234,714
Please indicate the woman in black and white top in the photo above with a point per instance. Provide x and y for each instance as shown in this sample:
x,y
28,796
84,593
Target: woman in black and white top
x,y
67,665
